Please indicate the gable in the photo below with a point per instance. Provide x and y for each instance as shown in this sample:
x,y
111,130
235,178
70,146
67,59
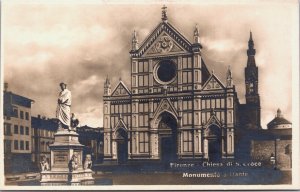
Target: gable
x,y
164,38
213,120
120,124
165,105
164,44
121,90
213,83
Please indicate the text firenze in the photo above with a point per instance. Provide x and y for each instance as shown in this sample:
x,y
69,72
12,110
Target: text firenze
x,y
213,164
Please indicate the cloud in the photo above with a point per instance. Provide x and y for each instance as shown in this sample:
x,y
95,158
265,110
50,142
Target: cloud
x,y
80,44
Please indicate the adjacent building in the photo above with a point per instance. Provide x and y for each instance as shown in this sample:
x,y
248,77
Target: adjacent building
x,y
43,130
92,139
17,131
274,145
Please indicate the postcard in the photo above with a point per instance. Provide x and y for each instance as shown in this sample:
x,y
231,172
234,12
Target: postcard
x,y
150,95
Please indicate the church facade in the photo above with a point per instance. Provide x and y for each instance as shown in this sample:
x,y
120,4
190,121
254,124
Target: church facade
x,y
175,108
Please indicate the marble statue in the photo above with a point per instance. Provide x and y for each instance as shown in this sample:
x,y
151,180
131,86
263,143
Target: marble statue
x,y
88,162
63,107
74,122
73,164
44,164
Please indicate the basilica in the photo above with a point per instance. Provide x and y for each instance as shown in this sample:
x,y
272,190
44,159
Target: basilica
x,y
175,108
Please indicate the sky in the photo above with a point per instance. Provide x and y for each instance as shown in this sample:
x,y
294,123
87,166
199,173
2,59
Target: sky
x,y
81,43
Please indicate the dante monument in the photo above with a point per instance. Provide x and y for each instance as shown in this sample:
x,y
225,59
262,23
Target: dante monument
x,y
66,167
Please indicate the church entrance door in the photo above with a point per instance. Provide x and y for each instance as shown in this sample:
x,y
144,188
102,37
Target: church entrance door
x,y
122,146
214,150
214,143
168,137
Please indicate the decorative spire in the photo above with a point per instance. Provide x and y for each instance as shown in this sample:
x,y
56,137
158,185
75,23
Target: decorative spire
x,y
120,78
164,17
229,77
135,42
196,34
107,81
251,50
107,87
250,36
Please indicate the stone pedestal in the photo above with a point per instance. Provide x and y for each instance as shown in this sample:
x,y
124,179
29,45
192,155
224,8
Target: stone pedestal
x,y
66,145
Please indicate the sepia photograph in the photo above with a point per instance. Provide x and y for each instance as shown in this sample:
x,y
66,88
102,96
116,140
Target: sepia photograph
x,y
155,95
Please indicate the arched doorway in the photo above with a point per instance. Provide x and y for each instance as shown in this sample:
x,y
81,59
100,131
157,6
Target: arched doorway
x,y
122,146
214,143
167,129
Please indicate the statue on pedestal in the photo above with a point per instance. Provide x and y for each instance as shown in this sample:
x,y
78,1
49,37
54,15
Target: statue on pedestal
x,y
74,122
73,164
88,162
44,164
64,107
66,151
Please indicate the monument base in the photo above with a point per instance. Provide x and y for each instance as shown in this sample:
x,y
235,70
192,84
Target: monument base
x,y
80,177
66,162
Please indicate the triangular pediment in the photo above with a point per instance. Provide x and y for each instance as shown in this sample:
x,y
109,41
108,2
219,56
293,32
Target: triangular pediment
x,y
164,39
165,105
121,90
213,83
120,124
164,44
213,120
213,126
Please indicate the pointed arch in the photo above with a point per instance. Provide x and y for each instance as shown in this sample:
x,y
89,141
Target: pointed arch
x,y
164,106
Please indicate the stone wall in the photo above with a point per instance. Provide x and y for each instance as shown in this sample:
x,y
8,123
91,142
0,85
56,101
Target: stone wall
x,y
262,150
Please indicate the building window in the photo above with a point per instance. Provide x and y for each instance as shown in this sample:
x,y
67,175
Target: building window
x,y
187,141
16,144
22,114
251,90
187,77
7,146
15,112
144,143
27,145
230,143
27,130
21,130
143,120
7,129
21,145
187,105
187,118
186,62
143,80
27,116
16,129
112,109
143,66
